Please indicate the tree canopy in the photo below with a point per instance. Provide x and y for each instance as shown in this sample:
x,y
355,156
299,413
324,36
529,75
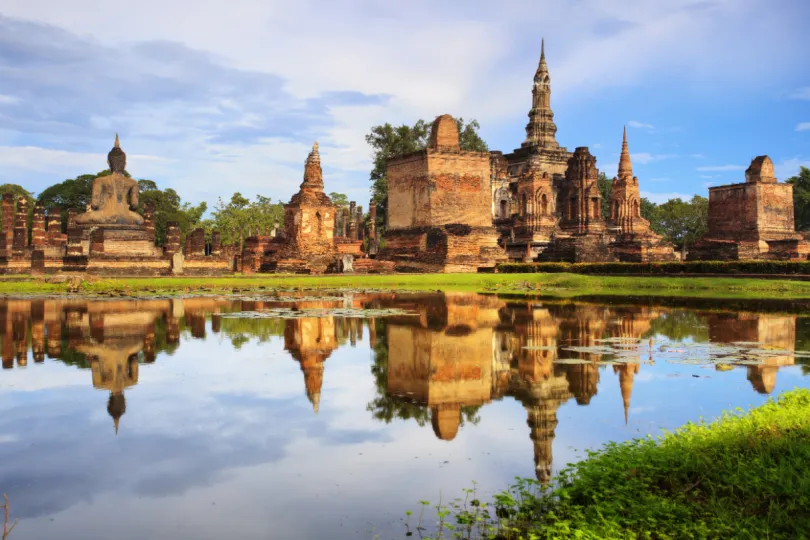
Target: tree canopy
x,y
240,217
680,222
389,141
801,199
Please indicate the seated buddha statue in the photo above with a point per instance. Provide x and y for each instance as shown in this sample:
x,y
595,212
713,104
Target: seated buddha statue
x,y
115,196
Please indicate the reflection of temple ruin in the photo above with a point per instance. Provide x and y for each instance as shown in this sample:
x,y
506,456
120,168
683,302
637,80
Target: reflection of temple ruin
x,y
112,338
466,350
310,341
765,331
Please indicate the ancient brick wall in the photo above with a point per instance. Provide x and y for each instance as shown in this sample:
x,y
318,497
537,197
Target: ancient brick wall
x,y
751,210
408,191
460,189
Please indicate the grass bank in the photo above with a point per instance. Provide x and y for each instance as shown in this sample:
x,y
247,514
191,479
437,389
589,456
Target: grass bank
x,y
742,476
557,285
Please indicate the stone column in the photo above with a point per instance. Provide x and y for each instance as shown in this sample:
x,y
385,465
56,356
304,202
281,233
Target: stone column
x,y
38,226
71,218
372,220
216,243
149,220
74,241
37,262
195,243
54,228
344,223
21,225
8,219
351,220
97,242
360,231
172,238
337,222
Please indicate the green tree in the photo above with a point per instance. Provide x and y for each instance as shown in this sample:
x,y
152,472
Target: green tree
x,y
605,185
647,209
240,217
681,223
169,207
16,190
339,199
389,141
801,199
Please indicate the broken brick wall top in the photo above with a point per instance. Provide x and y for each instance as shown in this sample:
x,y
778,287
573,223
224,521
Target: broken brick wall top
x,y
444,134
750,210
760,171
435,188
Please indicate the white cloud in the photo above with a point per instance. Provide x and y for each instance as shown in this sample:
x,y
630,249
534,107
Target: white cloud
x,y
697,156
722,168
8,100
789,167
426,65
803,126
801,93
706,176
645,157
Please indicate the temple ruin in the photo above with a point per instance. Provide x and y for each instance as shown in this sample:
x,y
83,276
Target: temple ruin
x,y
752,220
541,203
109,238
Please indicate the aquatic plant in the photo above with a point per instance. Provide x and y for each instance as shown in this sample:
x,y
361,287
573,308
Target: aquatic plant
x,y
744,475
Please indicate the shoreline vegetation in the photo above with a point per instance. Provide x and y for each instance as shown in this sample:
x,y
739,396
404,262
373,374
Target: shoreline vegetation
x,y
743,475
557,285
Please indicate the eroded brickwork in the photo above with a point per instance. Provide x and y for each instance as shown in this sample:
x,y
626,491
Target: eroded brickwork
x,y
752,220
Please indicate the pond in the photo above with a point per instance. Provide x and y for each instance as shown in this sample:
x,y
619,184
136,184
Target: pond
x,y
330,415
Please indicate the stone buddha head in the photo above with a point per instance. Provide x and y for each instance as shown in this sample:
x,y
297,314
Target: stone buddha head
x,y
117,159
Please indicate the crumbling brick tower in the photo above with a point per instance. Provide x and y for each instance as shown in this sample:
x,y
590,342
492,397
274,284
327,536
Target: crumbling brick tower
x,y
751,220
439,207
309,220
582,234
534,172
635,241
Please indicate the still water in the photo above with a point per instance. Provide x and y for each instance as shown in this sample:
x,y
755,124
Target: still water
x,y
328,417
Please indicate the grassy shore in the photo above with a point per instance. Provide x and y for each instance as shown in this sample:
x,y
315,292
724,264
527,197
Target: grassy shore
x,y
743,476
557,285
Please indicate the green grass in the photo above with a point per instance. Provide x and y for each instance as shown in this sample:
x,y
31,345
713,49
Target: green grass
x,y
745,475
558,285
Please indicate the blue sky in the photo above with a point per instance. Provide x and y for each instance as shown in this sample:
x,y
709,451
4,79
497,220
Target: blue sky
x,y
212,97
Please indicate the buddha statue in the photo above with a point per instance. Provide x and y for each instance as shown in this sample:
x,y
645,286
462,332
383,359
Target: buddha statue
x,y
115,196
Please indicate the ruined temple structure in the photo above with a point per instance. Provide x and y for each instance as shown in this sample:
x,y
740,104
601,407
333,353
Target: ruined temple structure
x,y
439,216
109,238
752,220
310,241
539,202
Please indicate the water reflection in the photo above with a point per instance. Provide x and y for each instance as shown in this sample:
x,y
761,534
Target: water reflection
x,y
442,359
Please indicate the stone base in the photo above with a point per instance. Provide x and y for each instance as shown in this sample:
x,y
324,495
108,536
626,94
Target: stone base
x,y
122,242
452,248
714,249
643,250
207,266
579,248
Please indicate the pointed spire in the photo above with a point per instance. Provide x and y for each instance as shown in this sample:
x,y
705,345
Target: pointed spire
x,y
117,142
625,165
542,68
115,421
313,175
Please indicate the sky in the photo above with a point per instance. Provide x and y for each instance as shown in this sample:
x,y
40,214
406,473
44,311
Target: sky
x,y
211,97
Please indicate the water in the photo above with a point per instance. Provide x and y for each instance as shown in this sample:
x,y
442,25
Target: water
x,y
221,418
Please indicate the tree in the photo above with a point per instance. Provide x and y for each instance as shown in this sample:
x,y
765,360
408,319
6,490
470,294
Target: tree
x,y
239,217
339,199
169,207
681,223
801,199
388,141
605,185
647,209
16,190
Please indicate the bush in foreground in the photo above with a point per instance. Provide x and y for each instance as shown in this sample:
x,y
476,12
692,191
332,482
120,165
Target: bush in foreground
x,y
742,476
664,268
